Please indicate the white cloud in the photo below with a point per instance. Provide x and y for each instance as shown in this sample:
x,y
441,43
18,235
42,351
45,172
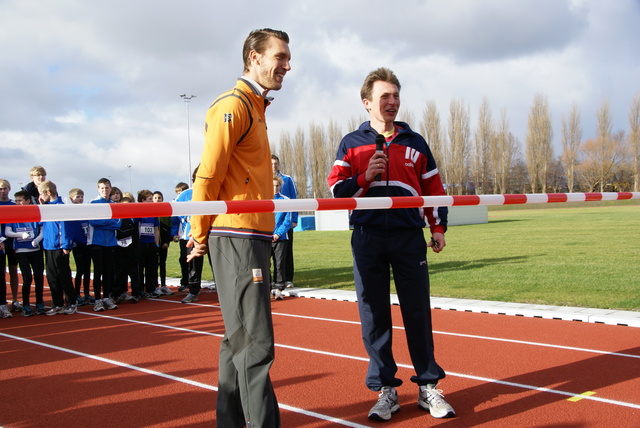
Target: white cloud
x,y
91,87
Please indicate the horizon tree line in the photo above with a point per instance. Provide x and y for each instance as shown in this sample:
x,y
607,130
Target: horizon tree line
x,y
489,159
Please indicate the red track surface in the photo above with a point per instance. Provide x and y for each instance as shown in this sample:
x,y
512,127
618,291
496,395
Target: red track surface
x,y
153,364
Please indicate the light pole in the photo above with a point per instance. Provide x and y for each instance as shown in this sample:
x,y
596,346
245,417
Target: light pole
x,y
130,186
187,99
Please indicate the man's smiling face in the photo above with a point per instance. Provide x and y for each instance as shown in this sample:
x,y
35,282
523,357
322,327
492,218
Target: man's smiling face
x,y
384,103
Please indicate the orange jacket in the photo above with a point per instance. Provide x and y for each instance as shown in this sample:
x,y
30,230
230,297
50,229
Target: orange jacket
x,y
235,165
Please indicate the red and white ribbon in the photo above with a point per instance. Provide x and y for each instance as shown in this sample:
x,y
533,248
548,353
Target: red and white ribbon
x,y
65,212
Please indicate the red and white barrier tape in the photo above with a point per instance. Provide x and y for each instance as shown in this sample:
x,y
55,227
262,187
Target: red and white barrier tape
x,y
36,213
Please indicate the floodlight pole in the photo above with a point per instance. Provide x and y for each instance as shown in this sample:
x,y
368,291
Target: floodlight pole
x,y
187,100
130,186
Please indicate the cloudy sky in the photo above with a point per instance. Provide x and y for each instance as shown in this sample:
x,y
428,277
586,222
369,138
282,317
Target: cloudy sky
x,y
89,87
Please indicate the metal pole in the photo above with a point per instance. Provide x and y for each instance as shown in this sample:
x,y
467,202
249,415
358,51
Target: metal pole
x,y
130,186
187,99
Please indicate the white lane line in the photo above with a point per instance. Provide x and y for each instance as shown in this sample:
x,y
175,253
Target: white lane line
x,y
365,359
446,333
176,378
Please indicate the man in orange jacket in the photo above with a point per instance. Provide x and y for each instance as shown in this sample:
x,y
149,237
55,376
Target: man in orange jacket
x,y
236,165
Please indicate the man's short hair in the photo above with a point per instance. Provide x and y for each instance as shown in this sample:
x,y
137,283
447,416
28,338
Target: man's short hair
x,y
115,191
379,74
104,181
257,41
182,186
5,183
75,191
48,186
37,170
144,194
22,194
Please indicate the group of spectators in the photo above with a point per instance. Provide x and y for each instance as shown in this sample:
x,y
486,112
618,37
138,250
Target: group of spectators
x,y
129,255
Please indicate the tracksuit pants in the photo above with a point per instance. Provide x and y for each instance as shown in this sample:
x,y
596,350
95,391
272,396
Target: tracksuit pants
x,y
374,254
245,391
59,277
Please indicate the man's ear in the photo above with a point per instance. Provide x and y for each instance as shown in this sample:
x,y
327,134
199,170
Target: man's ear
x,y
366,103
254,56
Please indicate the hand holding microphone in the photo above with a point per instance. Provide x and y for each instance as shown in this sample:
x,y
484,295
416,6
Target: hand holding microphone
x,y
380,149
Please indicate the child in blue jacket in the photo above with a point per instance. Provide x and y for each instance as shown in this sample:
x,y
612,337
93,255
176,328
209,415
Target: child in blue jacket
x,y
57,245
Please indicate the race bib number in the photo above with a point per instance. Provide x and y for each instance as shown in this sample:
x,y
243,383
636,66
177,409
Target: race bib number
x,y
125,242
146,229
26,234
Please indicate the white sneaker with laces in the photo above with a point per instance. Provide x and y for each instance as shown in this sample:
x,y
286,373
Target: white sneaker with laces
x,y
166,291
432,400
386,405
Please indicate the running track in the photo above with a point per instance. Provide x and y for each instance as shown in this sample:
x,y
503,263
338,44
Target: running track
x,y
153,364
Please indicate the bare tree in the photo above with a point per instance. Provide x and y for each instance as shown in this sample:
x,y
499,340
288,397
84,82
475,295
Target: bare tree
x,y
539,143
334,136
571,138
286,153
432,131
317,161
634,141
299,171
458,147
603,154
483,136
354,122
503,152
518,176
601,161
407,116
556,181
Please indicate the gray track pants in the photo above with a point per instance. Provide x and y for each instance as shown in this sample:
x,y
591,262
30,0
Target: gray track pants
x,y
245,393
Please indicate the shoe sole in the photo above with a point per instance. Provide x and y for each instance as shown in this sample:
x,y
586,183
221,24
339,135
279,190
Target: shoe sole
x,y
377,417
425,407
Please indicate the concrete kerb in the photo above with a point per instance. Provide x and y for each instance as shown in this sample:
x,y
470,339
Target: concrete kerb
x,y
589,315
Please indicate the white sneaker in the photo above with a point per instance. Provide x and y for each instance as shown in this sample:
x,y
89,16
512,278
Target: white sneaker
x,y
4,311
386,405
109,303
157,292
277,293
98,306
190,298
432,400
70,310
55,310
166,291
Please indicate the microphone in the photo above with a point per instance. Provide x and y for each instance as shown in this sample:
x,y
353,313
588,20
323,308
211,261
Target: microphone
x,y
379,148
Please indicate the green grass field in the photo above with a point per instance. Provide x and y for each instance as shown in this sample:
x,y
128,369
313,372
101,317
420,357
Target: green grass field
x,y
580,255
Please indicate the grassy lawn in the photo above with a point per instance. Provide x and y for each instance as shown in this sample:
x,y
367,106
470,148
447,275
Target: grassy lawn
x,y
583,255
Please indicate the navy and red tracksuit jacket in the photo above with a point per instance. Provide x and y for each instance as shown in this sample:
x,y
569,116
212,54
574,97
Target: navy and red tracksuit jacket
x,y
411,171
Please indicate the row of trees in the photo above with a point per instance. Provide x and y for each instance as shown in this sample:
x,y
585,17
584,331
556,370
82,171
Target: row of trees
x,y
490,159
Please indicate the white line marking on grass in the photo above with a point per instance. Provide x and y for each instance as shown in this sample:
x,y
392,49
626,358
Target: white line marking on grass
x,y
176,378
